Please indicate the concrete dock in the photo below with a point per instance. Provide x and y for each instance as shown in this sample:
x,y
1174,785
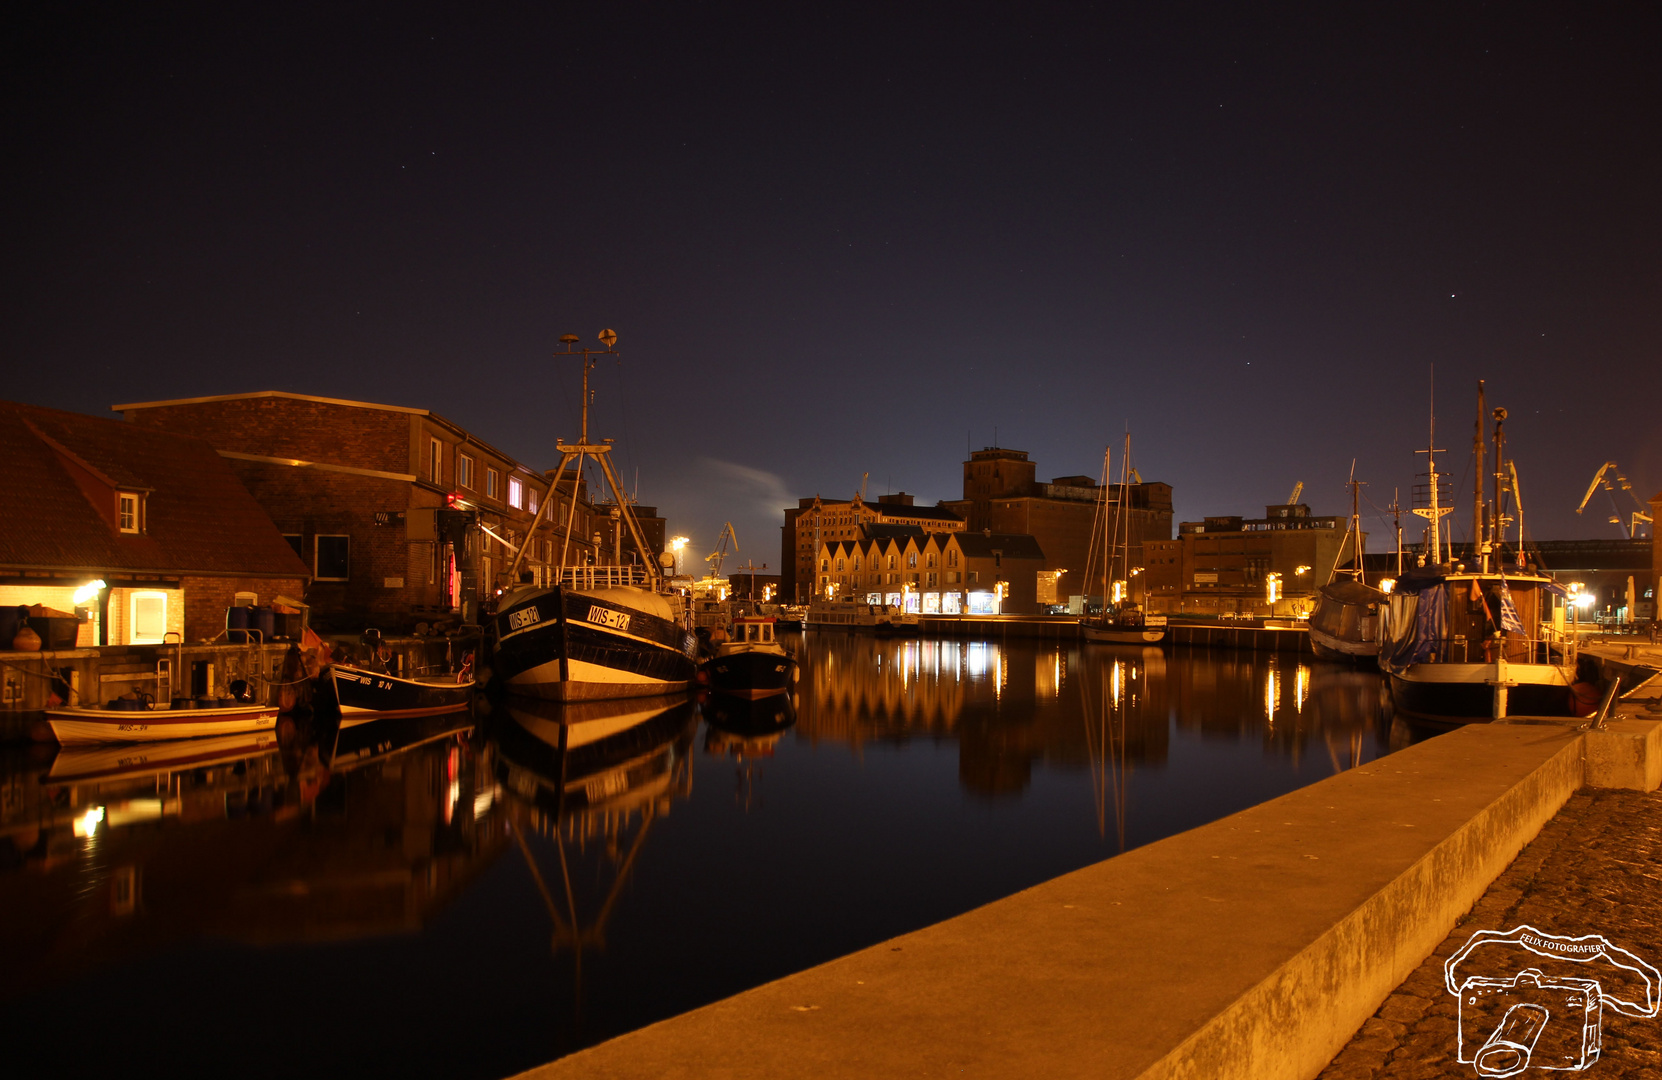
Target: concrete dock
x,y
1255,946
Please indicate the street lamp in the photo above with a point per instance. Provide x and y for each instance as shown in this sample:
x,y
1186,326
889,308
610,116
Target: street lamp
x,y
675,545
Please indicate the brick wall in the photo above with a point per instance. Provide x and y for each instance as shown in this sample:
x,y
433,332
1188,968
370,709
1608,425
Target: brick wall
x,y
286,427
206,599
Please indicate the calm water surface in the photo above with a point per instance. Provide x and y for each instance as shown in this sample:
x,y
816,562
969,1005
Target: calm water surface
x,y
474,899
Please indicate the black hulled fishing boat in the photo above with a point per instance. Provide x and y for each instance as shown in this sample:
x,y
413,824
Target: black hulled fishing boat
x,y
751,663
595,632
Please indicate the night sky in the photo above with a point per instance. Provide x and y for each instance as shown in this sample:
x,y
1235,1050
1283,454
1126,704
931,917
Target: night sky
x,y
864,240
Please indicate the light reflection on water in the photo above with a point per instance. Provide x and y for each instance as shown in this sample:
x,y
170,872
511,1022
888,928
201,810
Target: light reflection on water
x,y
554,877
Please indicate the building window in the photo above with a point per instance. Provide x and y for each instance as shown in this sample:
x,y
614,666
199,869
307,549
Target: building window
x,y
839,566
147,617
531,499
932,582
334,558
516,492
824,565
952,556
435,461
297,542
911,560
973,576
931,558
891,562
856,562
464,471
127,503
492,481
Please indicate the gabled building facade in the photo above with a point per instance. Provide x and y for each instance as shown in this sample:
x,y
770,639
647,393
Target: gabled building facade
x,y
144,533
814,522
956,573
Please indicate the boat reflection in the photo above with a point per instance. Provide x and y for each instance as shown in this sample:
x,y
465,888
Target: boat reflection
x,y
586,781
125,850
747,732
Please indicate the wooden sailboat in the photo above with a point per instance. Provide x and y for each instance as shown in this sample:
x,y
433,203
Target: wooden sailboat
x,y
1121,621
597,632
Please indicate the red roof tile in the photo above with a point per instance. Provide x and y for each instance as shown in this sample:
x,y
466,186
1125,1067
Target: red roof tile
x,y
199,518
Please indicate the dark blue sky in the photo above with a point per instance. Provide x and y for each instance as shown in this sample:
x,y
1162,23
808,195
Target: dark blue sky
x,y
862,240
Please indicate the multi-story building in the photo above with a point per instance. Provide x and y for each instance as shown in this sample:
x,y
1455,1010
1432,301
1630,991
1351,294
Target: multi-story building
x,y
1002,494
141,533
1236,564
949,573
814,522
360,491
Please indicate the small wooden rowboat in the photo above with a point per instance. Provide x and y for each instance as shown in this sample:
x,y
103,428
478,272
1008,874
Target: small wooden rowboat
x,y
80,725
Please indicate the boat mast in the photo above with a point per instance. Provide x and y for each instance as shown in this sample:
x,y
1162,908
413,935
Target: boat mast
x,y
577,453
1434,512
1480,536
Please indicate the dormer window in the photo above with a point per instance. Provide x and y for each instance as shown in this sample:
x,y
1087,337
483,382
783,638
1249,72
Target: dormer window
x,y
127,511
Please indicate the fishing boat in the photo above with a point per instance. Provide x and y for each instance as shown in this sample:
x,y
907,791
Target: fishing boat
x,y
1344,625
363,694
1460,643
72,725
751,663
585,755
596,632
1121,621
847,615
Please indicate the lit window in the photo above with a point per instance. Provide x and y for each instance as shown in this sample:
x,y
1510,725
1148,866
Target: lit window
x,y
147,617
516,492
493,480
911,560
531,499
334,558
464,471
435,461
931,558
128,504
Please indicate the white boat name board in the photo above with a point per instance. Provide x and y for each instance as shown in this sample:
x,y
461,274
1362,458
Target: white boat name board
x,y
519,620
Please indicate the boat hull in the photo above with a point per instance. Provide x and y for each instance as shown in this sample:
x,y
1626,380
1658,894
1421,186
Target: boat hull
x,y
365,695
570,645
752,673
76,726
1450,693
1328,647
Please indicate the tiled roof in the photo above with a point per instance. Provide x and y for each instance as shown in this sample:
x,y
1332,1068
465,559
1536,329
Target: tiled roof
x,y
199,518
982,545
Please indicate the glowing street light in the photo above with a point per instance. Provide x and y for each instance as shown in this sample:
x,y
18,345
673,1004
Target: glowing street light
x,y
675,545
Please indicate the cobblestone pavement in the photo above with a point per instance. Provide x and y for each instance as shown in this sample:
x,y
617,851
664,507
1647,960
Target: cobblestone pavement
x,y
1595,869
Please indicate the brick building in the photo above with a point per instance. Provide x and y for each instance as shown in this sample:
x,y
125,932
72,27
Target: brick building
x,y
358,490
1002,494
1225,564
158,518
814,522
951,573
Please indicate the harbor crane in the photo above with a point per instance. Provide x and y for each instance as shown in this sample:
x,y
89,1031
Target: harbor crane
x,y
1631,526
719,555
1298,489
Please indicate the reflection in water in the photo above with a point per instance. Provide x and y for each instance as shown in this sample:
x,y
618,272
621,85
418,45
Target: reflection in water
x,y
588,780
908,780
1126,702
748,731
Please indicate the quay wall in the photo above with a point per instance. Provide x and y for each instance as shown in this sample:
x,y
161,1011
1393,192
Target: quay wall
x,y
1195,635
1252,947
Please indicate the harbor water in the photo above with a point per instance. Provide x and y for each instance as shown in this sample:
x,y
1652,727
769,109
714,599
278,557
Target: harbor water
x,y
476,894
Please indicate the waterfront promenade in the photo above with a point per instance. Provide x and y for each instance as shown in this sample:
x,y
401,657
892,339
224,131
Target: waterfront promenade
x,y
1252,947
